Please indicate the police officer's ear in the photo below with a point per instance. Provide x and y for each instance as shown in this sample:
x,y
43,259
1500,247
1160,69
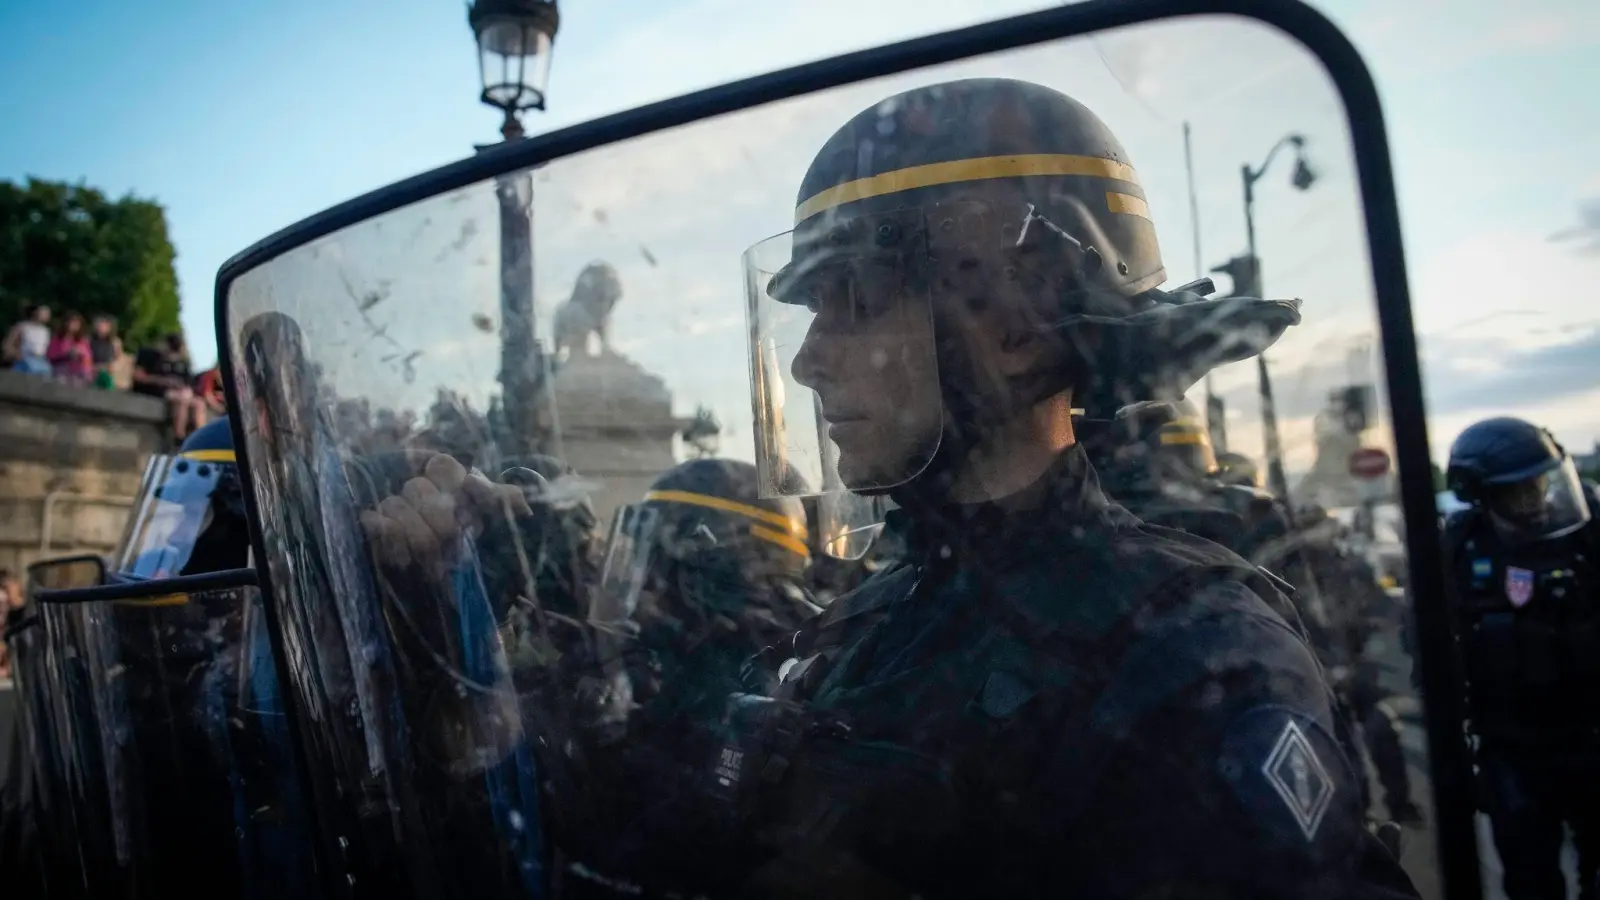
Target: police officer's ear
x,y
1013,335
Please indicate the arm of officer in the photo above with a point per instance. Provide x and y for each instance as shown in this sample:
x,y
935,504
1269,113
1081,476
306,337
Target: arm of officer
x,y
1223,775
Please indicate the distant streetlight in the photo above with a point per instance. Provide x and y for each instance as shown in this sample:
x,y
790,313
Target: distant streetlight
x,y
515,39
1302,179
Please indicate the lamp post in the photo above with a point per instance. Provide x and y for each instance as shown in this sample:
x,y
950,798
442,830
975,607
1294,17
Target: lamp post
x,y
515,39
1302,179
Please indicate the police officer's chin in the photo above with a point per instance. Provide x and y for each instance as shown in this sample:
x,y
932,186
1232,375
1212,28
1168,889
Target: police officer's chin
x,y
872,463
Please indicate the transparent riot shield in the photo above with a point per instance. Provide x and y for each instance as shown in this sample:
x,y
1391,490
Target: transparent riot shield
x,y
35,833
967,267
80,838
204,779
170,734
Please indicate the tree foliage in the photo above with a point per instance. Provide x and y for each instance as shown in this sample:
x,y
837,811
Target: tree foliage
x,y
71,247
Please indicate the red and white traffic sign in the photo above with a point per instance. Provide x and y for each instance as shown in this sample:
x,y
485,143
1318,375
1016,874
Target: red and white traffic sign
x,y
1369,462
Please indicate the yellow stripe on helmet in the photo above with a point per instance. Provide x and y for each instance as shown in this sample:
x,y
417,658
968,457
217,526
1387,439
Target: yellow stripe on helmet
x,y
212,456
778,520
956,171
1127,204
787,542
1187,430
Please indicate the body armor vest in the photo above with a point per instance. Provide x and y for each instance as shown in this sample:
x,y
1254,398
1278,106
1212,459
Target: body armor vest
x,y
1529,621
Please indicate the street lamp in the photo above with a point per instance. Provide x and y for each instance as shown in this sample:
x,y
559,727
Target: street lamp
x,y
1302,179
515,38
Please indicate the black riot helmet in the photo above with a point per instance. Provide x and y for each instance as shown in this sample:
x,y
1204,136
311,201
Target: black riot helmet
x,y
1518,473
1310,515
191,517
1155,446
706,518
986,197
1237,469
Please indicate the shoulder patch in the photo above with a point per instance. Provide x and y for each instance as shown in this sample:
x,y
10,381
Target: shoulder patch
x,y
1298,776
1291,778
1519,586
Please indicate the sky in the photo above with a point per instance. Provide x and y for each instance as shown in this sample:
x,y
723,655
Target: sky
x,y
242,119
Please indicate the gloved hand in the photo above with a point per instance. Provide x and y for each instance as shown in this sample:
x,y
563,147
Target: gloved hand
x,y
424,522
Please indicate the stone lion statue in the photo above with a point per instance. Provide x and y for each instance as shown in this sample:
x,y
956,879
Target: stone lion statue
x,y
588,310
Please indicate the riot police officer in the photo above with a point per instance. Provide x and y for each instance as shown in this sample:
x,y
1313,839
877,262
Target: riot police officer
x,y
705,573
1353,602
1046,690
1157,460
192,519
1521,571
700,575
212,774
1237,468
185,735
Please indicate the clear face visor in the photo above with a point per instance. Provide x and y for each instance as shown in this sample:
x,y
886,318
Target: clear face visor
x,y
174,508
682,527
1550,504
627,564
844,373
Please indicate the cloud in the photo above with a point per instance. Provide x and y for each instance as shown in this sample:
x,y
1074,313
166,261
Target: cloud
x,y
1496,272
1547,373
1584,237
1431,37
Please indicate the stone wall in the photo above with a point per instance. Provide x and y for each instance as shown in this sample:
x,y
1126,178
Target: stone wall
x,y
71,459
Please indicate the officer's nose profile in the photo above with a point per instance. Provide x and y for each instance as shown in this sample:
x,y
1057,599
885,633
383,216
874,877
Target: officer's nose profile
x,y
883,495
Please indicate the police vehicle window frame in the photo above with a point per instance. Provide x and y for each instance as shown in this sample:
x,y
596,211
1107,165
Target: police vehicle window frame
x,y
1450,764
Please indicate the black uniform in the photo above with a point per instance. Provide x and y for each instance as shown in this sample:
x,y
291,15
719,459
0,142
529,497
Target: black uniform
x,y
1038,698
1353,602
1533,671
699,576
1524,581
1048,697
1157,460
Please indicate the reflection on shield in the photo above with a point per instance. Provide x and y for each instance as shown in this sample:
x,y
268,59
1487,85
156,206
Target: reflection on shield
x,y
840,289
460,702
204,785
164,726
69,814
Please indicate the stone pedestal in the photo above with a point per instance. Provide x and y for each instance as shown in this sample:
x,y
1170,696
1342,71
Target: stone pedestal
x,y
616,426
